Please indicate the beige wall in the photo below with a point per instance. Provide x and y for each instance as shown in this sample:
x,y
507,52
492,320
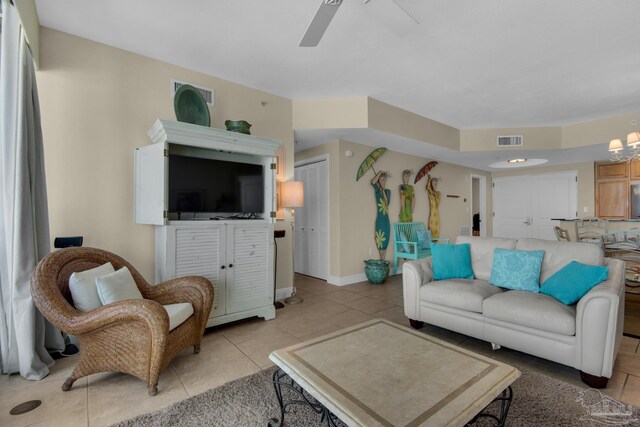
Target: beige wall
x,y
352,237
586,187
540,138
97,103
332,113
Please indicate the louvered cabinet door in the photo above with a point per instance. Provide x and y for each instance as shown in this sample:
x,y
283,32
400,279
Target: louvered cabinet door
x,y
250,267
200,251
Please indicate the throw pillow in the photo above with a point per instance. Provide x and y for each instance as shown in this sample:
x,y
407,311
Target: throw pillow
x,y
117,286
405,246
573,281
82,286
424,239
451,261
514,269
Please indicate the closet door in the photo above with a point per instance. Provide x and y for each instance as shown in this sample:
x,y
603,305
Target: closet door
x,y
512,206
312,230
554,196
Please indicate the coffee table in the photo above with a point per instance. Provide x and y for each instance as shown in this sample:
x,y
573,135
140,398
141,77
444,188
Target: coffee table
x,y
379,373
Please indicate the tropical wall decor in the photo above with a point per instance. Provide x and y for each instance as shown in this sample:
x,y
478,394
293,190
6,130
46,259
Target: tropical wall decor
x,y
383,197
434,198
407,197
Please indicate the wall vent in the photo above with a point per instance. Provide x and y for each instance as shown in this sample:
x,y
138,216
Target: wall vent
x,y
510,141
206,93
465,230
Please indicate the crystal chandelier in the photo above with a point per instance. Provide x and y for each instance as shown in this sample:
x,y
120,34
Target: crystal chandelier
x,y
616,147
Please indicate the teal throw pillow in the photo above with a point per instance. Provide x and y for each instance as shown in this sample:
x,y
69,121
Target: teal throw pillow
x,y
424,237
574,281
407,248
519,270
451,261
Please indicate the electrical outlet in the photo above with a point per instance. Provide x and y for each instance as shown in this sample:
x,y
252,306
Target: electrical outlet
x,y
585,209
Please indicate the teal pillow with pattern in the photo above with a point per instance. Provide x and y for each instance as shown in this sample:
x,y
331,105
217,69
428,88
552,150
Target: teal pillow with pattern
x,y
514,269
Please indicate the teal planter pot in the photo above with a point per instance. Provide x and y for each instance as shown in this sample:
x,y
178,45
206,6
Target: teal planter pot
x,y
376,270
240,126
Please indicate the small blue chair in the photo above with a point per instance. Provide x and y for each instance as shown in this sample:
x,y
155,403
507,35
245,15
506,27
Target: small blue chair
x,y
405,236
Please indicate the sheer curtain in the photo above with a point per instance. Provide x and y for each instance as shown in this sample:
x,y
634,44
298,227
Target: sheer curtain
x,y
24,222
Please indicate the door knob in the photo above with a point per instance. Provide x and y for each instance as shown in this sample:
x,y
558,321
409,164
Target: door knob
x,y
223,267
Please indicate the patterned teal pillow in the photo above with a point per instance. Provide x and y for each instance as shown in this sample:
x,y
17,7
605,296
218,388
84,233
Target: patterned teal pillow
x,y
513,269
424,237
406,246
574,281
451,261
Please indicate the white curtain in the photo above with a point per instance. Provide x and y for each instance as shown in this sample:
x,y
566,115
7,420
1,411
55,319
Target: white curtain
x,y
24,222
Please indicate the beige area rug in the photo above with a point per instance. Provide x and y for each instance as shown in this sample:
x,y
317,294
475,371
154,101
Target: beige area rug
x,y
538,400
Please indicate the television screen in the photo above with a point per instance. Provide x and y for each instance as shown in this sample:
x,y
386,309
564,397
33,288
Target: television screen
x,y
217,186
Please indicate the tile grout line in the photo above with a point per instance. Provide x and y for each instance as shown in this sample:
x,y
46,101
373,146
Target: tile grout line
x,y
179,379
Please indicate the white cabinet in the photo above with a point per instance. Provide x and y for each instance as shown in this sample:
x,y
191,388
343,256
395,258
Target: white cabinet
x,y
236,256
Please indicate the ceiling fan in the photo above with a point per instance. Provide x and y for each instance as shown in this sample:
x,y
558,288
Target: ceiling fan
x,y
388,11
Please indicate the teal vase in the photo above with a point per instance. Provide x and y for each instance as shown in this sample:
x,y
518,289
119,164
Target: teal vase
x,y
376,270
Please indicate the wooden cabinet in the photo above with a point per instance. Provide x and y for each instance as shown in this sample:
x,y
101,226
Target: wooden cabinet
x,y
634,169
612,198
612,170
236,256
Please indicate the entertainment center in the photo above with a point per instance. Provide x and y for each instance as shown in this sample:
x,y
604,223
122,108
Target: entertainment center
x,y
210,194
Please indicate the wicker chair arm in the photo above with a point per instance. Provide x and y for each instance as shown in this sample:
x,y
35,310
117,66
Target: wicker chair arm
x,y
194,289
148,312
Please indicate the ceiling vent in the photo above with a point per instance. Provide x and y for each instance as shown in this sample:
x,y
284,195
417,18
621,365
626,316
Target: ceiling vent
x,y
206,93
510,141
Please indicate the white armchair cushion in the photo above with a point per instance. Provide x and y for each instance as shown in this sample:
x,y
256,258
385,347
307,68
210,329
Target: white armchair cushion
x,y
82,286
117,286
178,313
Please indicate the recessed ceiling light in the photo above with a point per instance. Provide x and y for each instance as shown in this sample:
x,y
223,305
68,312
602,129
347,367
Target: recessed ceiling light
x,y
517,163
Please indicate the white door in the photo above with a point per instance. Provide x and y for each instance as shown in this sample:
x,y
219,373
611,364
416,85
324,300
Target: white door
x,y
512,206
523,206
249,269
554,196
312,221
200,251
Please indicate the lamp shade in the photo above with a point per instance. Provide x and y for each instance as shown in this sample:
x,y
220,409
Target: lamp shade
x,y
633,139
615,145
292,194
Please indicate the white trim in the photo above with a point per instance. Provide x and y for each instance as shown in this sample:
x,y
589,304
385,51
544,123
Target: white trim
x,y
311,160
282,293
482,186
349,280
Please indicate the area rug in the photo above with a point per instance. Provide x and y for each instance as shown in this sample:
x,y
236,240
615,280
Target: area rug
x,y
538,400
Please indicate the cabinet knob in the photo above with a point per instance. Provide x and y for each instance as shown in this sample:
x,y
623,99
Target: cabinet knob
x,y
230,265
223,267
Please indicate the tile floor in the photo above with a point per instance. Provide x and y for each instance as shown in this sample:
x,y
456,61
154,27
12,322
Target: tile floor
x,y
240,349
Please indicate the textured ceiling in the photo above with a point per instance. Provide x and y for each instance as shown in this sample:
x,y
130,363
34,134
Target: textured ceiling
x,y
469,63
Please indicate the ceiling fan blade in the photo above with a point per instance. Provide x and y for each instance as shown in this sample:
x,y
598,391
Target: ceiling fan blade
x,y
319,24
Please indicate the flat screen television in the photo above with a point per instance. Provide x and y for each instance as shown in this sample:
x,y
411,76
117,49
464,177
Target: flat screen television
x,y
215,186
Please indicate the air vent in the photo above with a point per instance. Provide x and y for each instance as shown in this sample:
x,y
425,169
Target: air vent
x,y
510,141
465,230
206,93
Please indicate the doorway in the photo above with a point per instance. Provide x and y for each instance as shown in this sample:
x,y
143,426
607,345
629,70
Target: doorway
x,y
478,205
312,220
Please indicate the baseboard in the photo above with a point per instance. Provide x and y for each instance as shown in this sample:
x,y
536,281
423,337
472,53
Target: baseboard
x,y
348,280
282,293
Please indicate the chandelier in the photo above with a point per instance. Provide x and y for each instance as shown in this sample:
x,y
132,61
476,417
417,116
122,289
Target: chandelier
x,y
633,143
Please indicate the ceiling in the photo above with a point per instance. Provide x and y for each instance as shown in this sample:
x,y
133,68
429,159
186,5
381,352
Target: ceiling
x,y
468,64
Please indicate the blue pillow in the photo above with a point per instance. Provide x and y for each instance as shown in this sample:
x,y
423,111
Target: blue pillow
x,y
451,261
423,237
574,281
514,269
405,246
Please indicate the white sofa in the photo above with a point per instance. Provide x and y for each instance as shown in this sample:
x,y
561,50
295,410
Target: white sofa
x,y
585,335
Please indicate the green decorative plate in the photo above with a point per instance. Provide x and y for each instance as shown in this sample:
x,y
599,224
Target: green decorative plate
x,y
190,106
